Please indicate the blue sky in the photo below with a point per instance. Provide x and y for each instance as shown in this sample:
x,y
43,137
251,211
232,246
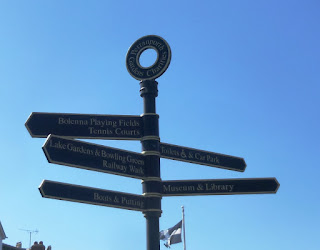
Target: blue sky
x,y
243,81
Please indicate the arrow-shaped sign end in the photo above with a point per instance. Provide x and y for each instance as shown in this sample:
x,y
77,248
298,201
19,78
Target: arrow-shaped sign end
x,y
278,185
27,124
40,188
244,164
44,148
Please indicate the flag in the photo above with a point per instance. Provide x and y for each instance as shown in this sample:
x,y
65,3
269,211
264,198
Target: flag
x,y
172,235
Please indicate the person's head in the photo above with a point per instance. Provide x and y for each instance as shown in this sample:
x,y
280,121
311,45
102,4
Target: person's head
x,y
41,242
35,243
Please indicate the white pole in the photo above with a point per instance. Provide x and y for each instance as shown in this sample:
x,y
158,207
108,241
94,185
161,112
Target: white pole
x,y
184,229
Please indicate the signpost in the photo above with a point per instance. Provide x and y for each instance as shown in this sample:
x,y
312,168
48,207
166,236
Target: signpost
x,y
116,127
79,154
61,148
201,157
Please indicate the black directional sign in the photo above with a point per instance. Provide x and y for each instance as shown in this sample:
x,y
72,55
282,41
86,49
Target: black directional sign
x,y
201,157
74,153
220,187
85,126
89,195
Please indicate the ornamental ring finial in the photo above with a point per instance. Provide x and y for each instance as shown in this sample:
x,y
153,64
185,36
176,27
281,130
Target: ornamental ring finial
x,y
160,65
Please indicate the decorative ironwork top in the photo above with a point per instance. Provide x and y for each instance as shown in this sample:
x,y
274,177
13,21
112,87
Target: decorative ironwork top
x,y
160,65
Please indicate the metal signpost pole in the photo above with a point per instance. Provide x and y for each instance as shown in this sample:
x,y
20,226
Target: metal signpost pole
x,y
150,148
152,185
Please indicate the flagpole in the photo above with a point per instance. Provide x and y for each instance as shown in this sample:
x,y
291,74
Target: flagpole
x,y
184,229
